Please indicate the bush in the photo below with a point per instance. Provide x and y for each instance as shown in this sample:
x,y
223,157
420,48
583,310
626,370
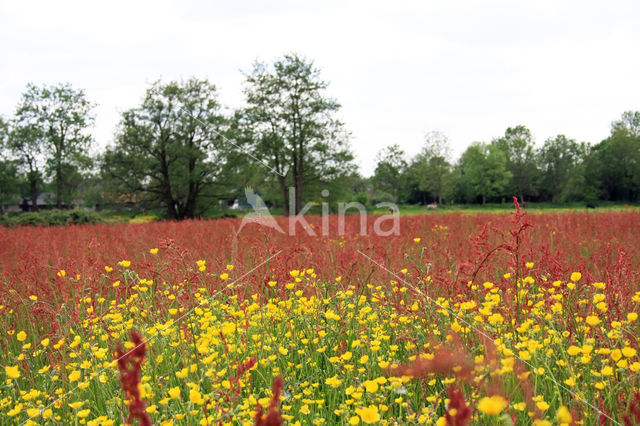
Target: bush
x,y
51,218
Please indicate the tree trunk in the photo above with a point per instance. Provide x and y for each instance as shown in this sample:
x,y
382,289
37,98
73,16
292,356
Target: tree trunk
x,y
58,198
34,194
285,195
484,199
298,186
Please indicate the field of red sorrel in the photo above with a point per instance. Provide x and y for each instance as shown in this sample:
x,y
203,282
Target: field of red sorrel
x,y
460,319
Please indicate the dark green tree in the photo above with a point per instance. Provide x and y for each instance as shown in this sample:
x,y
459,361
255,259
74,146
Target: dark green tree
x,y
517,145
52,121
629,122
432,169
560,159
389,175
27,144
483,173
614,163
171,148
295,131
8,169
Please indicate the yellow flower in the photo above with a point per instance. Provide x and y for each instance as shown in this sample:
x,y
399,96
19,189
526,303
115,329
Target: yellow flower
x,y
195,397
108,268
305,409
607,371
628,352
369,414
15,410
224,276
283,351
592,320
76,405
153,251
416,240
354,420
229,267
371,386
45,342
152,409
563,415
334,382
529,265
12,372
46,414
21,336
62,273
174,393
84,413
616,354
124,263
542,405
33,297
575,277
74,376
492,405
632,316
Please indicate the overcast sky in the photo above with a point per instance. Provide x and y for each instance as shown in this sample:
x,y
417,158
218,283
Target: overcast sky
x,y
400,69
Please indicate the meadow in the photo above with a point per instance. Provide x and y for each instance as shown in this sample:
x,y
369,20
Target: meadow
x,y
462,318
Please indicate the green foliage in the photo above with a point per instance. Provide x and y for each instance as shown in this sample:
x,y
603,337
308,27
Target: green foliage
x,y
561,161
389,178
52,218
290,125
50,135
614,165
171,149
483,173
431,167
519,151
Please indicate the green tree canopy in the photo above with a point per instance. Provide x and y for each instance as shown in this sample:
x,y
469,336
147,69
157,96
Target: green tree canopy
x,y
51,123
171,148
294,127
432,167
483,173
614,163
517,145
389,174
561,159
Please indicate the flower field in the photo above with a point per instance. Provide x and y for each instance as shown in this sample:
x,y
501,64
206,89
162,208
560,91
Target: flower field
x,y
461,319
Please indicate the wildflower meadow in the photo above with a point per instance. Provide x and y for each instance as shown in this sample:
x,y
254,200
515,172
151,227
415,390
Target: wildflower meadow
x,y
487,318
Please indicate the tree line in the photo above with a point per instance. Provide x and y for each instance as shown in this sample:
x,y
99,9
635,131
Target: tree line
x,y
560,170
179,151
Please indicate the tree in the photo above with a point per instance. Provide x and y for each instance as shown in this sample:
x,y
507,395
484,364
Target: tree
x,y
390,169
629,122
8,169
27,144
483,172
517,144
614,163
57,118
433,170
560,159
294,127
170,149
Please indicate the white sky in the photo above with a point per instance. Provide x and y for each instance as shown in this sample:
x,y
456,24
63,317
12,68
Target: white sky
x,y
400,69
